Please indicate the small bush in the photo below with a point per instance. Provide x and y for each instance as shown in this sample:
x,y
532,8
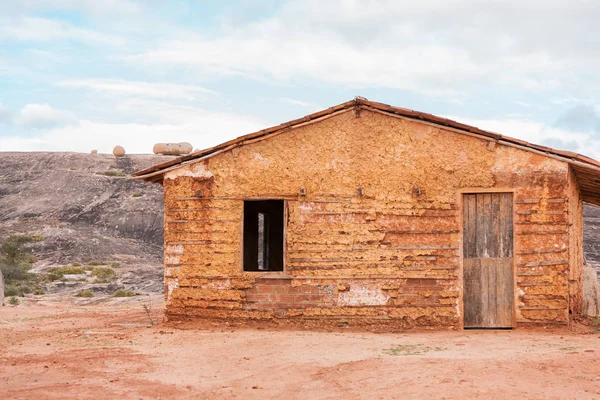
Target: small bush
x,y
111,173
58,273
10,290
15,259
136,194
14,272
123,293
95,262
13,301
85,293
39,292
103,274
76,264
22,239
20,288
115,264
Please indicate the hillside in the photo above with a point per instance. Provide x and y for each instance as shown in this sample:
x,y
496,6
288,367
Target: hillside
x,y
86,210
89,212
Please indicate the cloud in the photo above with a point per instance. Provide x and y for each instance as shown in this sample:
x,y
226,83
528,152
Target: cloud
x,y
35,29
41,116
438,48
580,117
155,121
92,7
147,89
562,138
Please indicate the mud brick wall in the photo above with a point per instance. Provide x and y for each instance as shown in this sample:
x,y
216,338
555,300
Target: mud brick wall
x,y
575,272
377,234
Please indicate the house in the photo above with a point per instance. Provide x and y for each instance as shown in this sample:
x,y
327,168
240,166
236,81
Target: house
x,y
371,214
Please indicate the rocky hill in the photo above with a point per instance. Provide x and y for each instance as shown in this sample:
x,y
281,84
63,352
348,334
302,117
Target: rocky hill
x,y
591,233
88,211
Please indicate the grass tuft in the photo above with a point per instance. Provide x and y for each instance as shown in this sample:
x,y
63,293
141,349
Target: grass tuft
x,y
95,262
104,274
111,173
123,293
85,293
58,273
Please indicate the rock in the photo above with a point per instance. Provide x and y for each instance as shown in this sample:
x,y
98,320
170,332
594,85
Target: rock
x,y
591,292
174,149
75,277
94,151
119,151
80,216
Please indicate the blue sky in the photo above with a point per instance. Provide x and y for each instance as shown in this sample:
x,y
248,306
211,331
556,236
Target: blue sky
x,y
77,75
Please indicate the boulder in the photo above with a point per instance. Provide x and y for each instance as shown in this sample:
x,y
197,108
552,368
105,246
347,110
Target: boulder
x,y
172,149
94,151
119,151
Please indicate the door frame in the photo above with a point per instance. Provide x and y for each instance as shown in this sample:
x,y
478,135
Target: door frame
x,y
480,190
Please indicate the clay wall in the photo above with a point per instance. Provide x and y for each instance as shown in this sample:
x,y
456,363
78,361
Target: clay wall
x,y
376,236
575,246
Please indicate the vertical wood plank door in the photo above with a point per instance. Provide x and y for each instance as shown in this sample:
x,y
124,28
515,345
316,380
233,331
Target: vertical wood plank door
x,y
488,277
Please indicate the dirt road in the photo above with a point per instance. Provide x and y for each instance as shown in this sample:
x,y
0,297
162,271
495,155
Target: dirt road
x,y
61,350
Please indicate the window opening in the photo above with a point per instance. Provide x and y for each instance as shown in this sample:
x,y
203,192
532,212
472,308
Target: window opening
x,y
263,235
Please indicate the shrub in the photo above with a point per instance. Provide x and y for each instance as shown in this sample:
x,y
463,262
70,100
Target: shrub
x,y
13,272
111,173
76,264
103,274
123,293
39,292
58,273
20,288
10,290
85,293
115,264
95,262
17,261
136,194
14,301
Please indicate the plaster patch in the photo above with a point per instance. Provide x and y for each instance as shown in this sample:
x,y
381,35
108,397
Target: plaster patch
x,y
174,249
306,207
362,295
258,157
172,260
226,284
197,170
172,284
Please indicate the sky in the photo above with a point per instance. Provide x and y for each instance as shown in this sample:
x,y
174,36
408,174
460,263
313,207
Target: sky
x,y
77,75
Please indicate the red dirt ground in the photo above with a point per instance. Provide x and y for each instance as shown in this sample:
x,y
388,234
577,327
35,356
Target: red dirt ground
x,y
61,350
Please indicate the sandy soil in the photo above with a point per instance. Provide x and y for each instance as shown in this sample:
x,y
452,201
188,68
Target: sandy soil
x,y
62,350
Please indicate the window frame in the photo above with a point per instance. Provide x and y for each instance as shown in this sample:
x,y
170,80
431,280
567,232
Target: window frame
x,y
283,270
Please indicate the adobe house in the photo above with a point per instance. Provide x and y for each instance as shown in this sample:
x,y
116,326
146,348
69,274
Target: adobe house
x,y
372,214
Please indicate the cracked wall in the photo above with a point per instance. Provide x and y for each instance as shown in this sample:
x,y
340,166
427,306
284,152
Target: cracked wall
x,y
376,236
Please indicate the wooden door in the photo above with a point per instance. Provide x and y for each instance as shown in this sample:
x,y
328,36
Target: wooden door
x,y
488,291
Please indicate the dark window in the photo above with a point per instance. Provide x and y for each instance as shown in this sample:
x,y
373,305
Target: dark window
x,y
263,235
